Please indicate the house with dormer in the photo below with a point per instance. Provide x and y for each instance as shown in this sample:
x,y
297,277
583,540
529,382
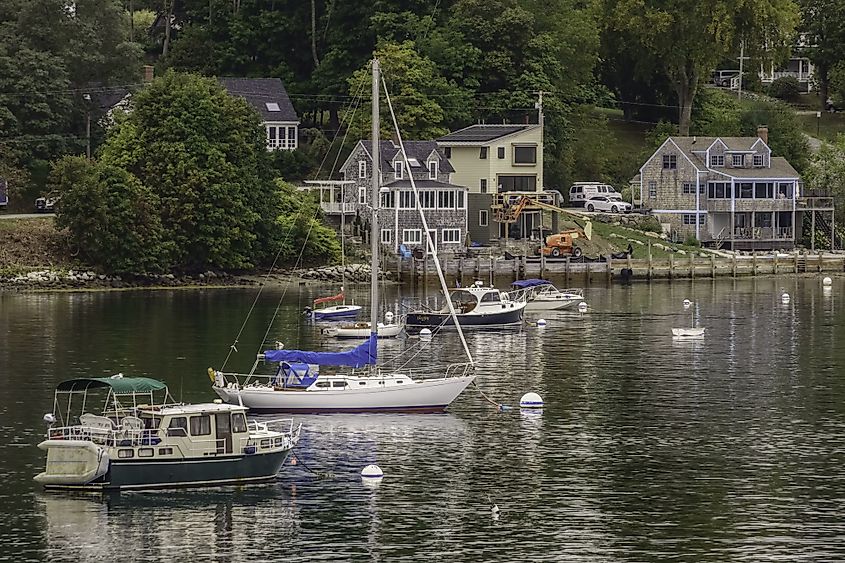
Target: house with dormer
x,y
726,190
270,99
444,203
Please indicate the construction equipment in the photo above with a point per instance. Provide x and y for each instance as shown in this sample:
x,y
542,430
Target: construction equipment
x,y
510,213
563,243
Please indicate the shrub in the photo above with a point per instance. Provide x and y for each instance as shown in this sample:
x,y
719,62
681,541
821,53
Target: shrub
x,y
692,241
786,88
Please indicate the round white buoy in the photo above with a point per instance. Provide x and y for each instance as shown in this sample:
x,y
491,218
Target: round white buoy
x,y
531,401
784,297
425,334
372,471
582,306
388,317
827,281
541,323
687,302
49,418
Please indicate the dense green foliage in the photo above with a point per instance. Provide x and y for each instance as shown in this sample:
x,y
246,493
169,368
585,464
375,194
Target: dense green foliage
x,y
786,88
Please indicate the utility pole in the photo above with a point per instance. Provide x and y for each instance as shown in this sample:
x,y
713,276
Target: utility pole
x,y
87,98
741,59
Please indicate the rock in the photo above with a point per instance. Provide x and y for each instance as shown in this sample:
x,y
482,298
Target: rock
x,y
682,252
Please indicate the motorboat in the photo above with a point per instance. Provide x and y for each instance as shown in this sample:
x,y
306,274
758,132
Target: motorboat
x,y
139,442
476,306
332,312
360,385
542,295
688,332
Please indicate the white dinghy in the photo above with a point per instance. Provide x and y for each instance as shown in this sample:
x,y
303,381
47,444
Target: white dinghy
x,y
688,332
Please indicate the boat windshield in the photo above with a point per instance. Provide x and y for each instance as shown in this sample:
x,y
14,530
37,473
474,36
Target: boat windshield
x,y
463,301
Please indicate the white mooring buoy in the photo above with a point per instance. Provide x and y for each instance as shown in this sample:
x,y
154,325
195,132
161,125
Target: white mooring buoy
x,y
425,334
582,306
531,401
541,323
784,297
687,303
372,471
827,281
388,317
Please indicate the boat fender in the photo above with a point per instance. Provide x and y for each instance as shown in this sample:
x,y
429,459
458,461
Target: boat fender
x,y
211,374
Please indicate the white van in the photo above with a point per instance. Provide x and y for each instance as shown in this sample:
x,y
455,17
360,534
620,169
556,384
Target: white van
x,y
580,192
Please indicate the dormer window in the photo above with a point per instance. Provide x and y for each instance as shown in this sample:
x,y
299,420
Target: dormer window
x,y
758,161
717,160
399,169
670,162
432,170
737,160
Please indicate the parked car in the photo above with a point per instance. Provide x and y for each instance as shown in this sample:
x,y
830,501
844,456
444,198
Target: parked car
x,y
722,78
580,192
46,204
612,204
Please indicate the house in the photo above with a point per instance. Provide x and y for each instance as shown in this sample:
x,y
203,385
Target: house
x,y
496,163
269,97
725,190
444,203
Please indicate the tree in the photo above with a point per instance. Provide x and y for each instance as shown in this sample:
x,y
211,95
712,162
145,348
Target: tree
x,y
823,21
111,217
300,234
688,38
826,171
203,153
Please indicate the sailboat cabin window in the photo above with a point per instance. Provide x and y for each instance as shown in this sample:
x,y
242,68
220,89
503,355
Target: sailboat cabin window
x,y
200,425
490,297
238,423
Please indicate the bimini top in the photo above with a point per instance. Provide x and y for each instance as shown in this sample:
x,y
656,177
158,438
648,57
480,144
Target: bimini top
x,y
366,353
523,284
119,385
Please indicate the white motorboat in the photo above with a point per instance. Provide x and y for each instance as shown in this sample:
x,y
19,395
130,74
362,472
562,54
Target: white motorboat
x,y
297,384
542,295
362,330
688,332
135,442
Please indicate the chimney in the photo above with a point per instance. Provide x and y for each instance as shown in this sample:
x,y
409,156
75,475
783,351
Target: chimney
x,y
149,72
763,133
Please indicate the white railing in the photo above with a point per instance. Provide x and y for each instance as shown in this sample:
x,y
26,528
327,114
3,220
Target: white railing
x,y
336,207
103,436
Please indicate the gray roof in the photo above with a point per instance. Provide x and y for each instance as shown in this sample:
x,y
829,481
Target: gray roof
x,y
429,184
689,144
483,134
419,150
260,92
780,168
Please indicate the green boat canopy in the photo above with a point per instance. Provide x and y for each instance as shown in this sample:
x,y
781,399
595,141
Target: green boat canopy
x,y
120,385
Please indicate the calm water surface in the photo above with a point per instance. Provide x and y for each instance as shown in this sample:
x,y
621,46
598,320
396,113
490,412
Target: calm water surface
x,y
725,449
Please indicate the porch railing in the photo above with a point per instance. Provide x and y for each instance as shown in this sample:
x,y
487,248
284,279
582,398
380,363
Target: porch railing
x,y
332,207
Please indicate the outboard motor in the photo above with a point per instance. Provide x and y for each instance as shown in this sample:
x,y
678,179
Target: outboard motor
x,y
307,311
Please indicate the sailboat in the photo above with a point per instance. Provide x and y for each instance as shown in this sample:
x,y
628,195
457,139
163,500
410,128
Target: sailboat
x,y
297,384
330,312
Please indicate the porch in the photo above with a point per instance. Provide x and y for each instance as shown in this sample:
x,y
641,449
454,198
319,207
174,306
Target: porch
x,y
335,196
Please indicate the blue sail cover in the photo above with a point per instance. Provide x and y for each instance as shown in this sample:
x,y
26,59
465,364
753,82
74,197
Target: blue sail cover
x,y
366,353
522,284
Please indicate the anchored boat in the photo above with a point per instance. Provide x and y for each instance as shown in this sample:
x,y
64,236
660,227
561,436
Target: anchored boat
x,y
542,295
332,312
138,442
475,306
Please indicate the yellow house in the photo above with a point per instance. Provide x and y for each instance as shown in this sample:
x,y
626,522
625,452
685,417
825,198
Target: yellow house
x,y
492,159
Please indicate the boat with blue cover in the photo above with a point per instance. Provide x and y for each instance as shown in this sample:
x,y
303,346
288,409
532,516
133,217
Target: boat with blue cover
x,y
142,439
542,295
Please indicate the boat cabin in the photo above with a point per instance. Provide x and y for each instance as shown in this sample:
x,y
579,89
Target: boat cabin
x,y
477,298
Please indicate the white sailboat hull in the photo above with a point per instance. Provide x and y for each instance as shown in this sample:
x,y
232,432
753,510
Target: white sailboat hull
x,y
362,331
425,395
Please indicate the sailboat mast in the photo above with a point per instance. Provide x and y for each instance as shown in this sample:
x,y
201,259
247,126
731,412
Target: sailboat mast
x,y
374,204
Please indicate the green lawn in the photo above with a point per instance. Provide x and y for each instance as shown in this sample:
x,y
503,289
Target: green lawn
x,y
827,127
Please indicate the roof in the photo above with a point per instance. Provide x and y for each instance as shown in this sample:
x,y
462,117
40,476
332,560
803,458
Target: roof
x,y
427,184
689,144
419,150
262,94
780,168
120,385
483,134
196,408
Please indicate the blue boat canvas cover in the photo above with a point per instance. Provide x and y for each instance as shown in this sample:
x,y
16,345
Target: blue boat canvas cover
x,y
364,354
523,284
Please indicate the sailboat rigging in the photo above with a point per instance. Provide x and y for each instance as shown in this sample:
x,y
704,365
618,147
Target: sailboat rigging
x,y
298,386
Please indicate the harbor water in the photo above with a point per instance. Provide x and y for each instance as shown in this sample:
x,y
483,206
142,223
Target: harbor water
x,y
725,448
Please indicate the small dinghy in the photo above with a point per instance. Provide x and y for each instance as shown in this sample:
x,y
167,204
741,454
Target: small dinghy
x,y
688,332
327,313
362,330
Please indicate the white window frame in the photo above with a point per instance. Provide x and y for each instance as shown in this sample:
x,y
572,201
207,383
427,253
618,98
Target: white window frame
x,y
759,159
433,169
386,239
362,169
717,160
416,239
482,185
652,188
362,195
398,170
447,239
407,199
483,218
387,199
740,158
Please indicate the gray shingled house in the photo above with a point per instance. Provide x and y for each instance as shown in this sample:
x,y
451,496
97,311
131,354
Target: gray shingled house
x,y
729,191
444,203
269,97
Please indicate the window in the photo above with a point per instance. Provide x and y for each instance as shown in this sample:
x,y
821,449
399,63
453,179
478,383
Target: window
x,y
399,169
362,195
517,183
500,152
524,155
482,154
764,190
200,425
670,161
718,190
652,188
451,236
427,199
407,200
448,152
482,218
292,141
490,297
717,160
272,106
165,451
737,160
386,236
432,170
745,189
758,160
146,452
763,220
461,202
238,423
411,236
689,219
125,454
483,185
178,426
362,169
784,190
447,199
413,163
689,188
323,384
338,384
387,199
272,141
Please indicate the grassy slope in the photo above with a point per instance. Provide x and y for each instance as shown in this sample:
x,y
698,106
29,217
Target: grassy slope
x,y
27,244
